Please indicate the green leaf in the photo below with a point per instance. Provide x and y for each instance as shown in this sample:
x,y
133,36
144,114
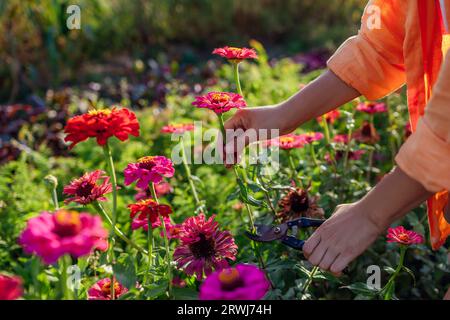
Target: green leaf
x,y
361,288
185,293
156,289
125,272
409,271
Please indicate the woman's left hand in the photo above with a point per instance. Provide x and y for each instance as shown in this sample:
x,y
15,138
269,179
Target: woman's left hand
x,y
342,238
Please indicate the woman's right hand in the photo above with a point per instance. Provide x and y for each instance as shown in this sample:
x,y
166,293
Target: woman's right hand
x,y
267,122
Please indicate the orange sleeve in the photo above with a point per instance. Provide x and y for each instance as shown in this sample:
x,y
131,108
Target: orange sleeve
x,y
372,61
425,156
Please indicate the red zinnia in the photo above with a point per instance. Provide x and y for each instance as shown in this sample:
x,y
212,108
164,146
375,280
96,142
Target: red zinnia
x,y
177,128
402,236
371,107
220,102
10,287
145,209
341,138
102,124
86,190
330,117
236,54
204,247
366,133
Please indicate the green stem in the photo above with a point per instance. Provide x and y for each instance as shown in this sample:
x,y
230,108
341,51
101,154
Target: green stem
x,y
188,173
313,154
150,249
99,208
294,170
55,199
64,263
310,279
386,289
326,130
166,242
236,78
110,161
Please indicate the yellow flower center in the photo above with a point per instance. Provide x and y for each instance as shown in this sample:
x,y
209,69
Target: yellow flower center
x,y
106,288
146,159
67,223
403,237
235,49
286,139
100,112
230,278
220,97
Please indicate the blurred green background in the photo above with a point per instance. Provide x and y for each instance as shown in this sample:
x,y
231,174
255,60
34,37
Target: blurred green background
x,y
37,51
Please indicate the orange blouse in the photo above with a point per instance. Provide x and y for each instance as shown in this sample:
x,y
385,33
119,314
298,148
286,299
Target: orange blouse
x,y
405,42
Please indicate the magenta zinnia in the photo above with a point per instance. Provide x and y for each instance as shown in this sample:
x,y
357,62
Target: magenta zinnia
x,y
310,137
101,290
148,169
235,54
243,282
204,247
10,287
402,236
288,141
86,190
51,236
220,102
371,107
161,189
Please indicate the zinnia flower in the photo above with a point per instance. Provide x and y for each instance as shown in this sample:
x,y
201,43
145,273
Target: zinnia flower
x,y
101,290
148,169
310,137
161,189
220,102
177,128
86,190
146,209
330,117
234,54
102,124
204,247
366,133
51,236
288,141
402,236
10,287
371,107
298,203
243,282
339,155
341,138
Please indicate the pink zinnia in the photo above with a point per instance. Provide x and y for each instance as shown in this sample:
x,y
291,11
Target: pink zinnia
x,y
244,282
371,107
220,102
341,138
236,54
161,189
10,287
310,137
148,169
288,141
402,236
101,290
86,190
147,209
177,128
51,236
203,247
330,117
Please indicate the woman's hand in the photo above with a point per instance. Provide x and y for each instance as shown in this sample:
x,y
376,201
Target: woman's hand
x,y
354,227
320,96
342,238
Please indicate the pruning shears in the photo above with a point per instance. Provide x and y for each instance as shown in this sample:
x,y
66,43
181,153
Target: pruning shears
x,y
266,233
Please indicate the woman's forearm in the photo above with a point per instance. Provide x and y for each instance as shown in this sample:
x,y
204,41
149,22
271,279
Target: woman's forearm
x,y
319,97
393,197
